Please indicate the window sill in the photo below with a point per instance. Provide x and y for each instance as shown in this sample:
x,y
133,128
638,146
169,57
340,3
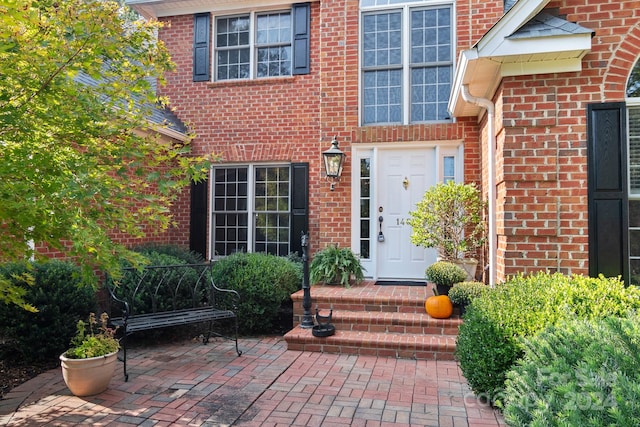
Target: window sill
x,y
252,82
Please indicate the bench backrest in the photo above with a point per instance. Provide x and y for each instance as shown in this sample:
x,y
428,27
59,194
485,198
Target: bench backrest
x,y
164,288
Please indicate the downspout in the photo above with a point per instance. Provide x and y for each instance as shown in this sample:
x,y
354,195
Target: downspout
x,y
491,192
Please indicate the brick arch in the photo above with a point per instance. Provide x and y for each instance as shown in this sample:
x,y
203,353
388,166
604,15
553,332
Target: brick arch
x,y
623,59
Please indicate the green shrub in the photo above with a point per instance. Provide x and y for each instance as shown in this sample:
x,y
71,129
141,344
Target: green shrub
x,y
465,292
445,273
579,373
489,340
61,301
263,281
168,296
176,251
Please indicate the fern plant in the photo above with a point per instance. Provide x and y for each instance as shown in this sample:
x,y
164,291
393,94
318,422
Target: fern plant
x,y
334,265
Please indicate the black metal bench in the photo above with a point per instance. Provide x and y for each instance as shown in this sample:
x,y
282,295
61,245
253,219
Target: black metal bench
x,y
166,296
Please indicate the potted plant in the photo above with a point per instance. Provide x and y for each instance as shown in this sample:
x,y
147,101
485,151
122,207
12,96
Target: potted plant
x,y
444,274
449,219
87,367
463,293
334,265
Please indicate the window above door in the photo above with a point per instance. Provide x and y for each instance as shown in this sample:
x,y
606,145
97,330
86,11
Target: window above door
x,y
406,62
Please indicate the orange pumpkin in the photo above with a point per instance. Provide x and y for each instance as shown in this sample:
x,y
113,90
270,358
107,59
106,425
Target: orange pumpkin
x,y
439,307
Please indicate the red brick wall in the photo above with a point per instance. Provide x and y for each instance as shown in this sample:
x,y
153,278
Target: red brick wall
x,y
542,186
294,119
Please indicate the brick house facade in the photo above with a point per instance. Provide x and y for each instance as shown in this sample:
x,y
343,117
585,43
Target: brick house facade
x,y
269,84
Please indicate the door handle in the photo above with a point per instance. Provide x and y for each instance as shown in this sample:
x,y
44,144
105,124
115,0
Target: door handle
x,y
380,234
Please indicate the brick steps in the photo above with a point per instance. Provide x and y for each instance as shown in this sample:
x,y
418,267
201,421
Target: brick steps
x,y
376,320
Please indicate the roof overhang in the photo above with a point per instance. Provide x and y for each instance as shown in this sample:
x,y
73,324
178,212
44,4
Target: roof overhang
x,y
496,55
162,8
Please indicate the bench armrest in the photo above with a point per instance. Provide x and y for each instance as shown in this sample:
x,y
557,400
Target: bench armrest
x,y
233,292
125,305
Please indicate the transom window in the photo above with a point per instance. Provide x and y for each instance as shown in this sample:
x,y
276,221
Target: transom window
x,y
253,45
407,63
251,209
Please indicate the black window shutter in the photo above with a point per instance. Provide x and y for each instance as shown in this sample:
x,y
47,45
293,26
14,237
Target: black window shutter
x,y
299,205
301,29
201,63
607,190
198,218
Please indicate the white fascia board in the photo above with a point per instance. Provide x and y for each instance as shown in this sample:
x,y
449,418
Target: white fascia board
x,y
482,75
464,59
173,134
521,13
163,8
539,46
541,67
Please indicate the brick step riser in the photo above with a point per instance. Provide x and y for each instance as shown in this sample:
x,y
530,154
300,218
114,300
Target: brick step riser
x,y
325,306
362,325
362,350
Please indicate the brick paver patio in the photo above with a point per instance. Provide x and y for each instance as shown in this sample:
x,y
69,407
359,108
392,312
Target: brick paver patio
x,y
194,385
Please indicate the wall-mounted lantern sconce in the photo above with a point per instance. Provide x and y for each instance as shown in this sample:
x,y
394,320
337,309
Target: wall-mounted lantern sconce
x,y
333,162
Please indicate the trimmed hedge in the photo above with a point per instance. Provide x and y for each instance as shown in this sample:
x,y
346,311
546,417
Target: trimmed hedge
x,y
490,339
580,373
61,300
264,283
176,251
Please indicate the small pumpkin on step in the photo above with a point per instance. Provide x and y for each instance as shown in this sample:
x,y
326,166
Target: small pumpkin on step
x,y
438,306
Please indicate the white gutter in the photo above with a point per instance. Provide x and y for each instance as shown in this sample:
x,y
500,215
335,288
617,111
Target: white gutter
x,y
491,192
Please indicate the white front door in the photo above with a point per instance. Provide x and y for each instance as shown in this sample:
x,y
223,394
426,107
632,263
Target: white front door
x,y
401,180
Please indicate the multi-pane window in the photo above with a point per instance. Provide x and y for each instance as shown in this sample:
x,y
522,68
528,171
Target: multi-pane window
x,y
271,206
230,210
251,209
253,45
634,193
407,64
365,208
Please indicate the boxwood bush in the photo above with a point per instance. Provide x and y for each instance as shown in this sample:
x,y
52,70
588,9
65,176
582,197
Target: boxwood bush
x,y
489,340
166,297
264,283
61,299
580,373
180,252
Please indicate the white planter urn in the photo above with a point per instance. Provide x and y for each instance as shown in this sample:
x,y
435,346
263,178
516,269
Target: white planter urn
x,y
86,377
469,265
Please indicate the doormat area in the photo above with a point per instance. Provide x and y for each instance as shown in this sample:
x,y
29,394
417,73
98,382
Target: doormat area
x,y
400,283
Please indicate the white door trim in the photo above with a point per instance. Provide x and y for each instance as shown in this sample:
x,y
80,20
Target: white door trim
x,y
373,151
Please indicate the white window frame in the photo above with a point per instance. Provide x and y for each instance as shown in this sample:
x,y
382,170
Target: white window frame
x,y
406,7
253,45
251,209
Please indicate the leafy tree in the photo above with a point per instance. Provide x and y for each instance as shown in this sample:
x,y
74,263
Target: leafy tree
x,y
79,161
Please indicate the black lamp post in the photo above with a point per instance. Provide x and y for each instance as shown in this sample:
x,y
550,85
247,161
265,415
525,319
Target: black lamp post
x,y
333,162
307,317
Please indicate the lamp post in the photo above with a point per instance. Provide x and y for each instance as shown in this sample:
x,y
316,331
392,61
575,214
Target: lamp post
x,y
333,162
307,318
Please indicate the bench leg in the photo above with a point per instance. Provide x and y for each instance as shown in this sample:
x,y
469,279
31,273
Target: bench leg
x,y
205,338
123,345
237,349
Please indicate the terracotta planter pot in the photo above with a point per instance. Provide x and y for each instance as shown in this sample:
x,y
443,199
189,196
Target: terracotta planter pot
x,y
86,377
